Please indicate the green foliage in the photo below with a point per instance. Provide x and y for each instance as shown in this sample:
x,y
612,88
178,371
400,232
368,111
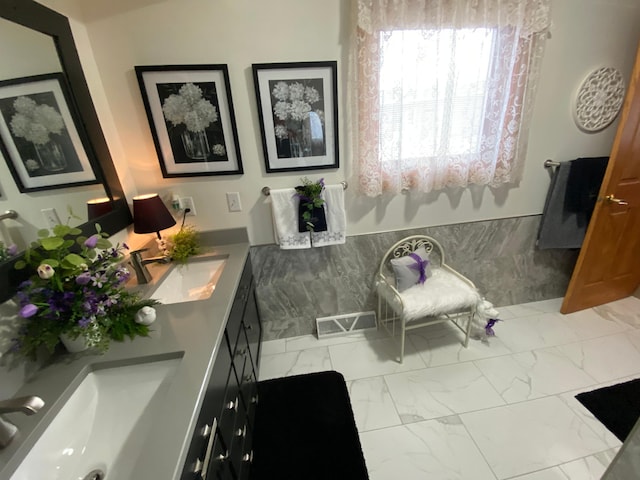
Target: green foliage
x,y
184,244
309,193
77,289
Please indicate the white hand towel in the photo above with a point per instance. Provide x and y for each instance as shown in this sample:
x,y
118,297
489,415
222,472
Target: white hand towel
x,y
284,206
336,218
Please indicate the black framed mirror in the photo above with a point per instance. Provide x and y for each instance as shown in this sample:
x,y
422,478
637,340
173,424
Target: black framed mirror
x,y
41,19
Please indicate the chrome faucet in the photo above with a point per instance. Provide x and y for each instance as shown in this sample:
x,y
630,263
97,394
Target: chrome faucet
x,y
27,405
139,264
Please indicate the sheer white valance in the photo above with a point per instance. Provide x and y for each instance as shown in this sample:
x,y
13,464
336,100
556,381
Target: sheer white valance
x,y
443,91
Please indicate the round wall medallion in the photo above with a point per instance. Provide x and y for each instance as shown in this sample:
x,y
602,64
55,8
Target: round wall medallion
x,y
599,99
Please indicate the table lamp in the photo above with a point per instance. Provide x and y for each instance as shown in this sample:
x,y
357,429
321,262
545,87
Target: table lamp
x,y
150,214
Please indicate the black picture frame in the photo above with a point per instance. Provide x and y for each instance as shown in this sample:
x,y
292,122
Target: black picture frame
x,y
298,113
190,112
42,142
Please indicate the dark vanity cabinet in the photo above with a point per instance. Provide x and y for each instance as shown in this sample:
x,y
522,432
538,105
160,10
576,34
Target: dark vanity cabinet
x,y
221,445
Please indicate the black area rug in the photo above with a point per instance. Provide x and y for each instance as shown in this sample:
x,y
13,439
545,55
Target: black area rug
x,y
304,429
617,407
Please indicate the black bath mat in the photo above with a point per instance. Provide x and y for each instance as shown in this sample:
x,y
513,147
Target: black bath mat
x,y
617,407
304,429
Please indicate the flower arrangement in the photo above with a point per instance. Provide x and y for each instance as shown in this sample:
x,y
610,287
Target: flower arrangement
x,y
34,122
310,202
7,252
77,290
189,107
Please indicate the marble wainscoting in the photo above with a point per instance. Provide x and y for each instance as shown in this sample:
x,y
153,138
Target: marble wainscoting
x,y
294,287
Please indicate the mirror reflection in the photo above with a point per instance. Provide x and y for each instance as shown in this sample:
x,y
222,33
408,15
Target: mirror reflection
x,y
30,53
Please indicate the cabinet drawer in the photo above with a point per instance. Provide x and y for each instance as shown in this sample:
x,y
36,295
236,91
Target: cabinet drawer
x,y
253,328
234,322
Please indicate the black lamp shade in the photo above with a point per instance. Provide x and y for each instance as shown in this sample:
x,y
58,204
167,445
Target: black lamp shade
x,y
150,215
96,207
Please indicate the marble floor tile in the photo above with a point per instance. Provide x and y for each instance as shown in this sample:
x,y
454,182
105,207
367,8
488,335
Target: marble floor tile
x,y
553,473
441,391
529,375
295,363
530,436
626,310
569,398
372,405
426,450
271,347
546,306
588,468
312,341
444,346
588,324
606,358
527,309
535,331
372,358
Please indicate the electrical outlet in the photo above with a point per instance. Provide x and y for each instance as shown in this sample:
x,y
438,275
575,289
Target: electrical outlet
x,y
233,202
187,202
50,217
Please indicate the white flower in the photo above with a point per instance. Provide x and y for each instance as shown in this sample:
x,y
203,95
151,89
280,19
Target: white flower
x,y
311,95
299,110
281,132
296,91
281,110
45,271
281,91
31,165
320,114
219,150
190,108
35,122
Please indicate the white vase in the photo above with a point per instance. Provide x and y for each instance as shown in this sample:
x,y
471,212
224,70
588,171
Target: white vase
x,y
74,346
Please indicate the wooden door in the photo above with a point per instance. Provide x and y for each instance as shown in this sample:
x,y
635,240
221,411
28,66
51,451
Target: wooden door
x,y
608,266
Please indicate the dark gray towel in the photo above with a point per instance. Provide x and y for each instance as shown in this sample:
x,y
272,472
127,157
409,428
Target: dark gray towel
x,y
570,202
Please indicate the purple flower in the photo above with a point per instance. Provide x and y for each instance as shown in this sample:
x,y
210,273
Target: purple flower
x,y
125,246
92,241
83,322
29,310
12,249
83,278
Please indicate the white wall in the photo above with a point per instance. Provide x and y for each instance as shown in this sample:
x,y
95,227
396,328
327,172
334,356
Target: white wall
x,y
586,34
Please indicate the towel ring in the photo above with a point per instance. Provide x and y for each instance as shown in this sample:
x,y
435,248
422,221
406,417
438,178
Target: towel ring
x,y
266,191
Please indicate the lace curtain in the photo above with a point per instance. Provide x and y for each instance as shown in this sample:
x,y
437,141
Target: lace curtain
x,y
443,91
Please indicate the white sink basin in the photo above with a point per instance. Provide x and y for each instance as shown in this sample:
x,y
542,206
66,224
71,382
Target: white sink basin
x,y
187,283
102,426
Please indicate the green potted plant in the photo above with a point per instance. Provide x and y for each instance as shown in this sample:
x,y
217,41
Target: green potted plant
x,y
183,244
76,293
311,215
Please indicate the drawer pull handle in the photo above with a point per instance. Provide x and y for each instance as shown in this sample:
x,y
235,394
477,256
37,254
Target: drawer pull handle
x,y
255,399
248,327
223,457
233,405
248,457
197,467
207,455
241,352
206,431
241,432
247,377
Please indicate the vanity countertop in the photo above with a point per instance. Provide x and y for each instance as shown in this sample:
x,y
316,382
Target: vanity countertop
x,y
191,332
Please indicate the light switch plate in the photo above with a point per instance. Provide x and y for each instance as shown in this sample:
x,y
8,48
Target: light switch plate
x,y
50,216
233,202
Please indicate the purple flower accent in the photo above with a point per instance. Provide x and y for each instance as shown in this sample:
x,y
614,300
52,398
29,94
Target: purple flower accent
x,y
420,266
83,278
29,310
91,242
12,249
84,321
489,327
125,246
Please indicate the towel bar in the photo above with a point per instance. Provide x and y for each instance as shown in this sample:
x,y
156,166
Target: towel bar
x,y
265,190
550,163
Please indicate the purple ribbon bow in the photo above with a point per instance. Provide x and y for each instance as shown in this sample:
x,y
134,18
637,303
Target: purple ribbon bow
x,y
489,328
420,266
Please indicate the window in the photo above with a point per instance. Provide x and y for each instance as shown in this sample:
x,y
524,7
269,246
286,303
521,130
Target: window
x,y
443,91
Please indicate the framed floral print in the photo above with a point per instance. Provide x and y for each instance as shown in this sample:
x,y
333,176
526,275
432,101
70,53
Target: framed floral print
x,y
192,120
42,145
298,111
